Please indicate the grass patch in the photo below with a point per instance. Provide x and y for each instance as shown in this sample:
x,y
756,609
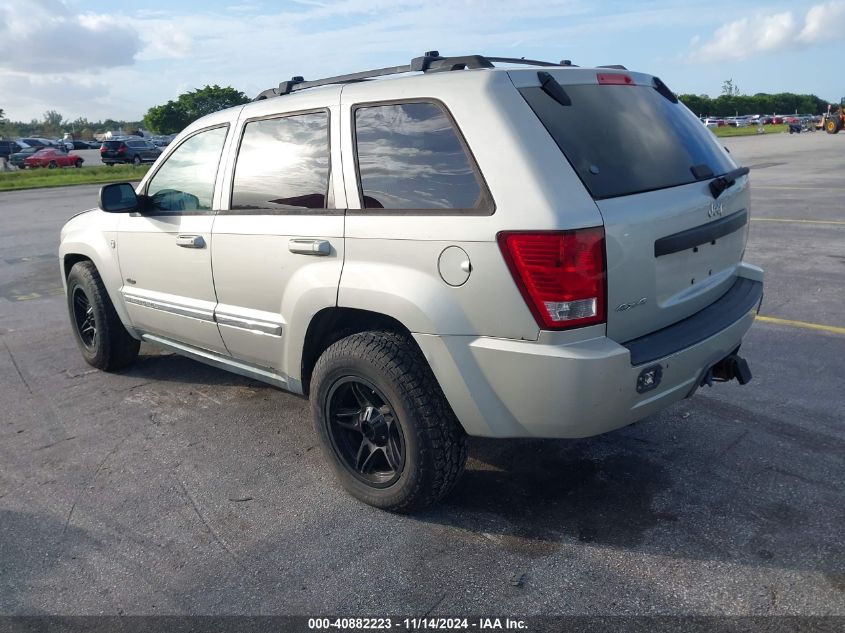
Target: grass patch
x,y
34,178
751,130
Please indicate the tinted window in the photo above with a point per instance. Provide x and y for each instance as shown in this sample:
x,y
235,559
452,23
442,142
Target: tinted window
x,y
410,157
185,182
283,163
627,139
111,144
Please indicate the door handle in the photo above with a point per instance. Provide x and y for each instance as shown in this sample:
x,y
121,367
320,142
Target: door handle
x,y
190,241
318,248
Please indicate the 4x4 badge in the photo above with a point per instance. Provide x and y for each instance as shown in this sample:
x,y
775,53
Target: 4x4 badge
x,y
632,304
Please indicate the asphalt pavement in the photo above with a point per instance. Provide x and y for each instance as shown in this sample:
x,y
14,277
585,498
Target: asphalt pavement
x,y
176,488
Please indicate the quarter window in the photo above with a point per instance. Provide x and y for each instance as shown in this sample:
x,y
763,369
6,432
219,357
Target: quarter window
x,y
283,163
185,182
411,157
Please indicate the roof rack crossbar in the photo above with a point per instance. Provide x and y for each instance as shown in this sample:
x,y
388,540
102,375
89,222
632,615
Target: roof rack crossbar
x,y
522,60
431,61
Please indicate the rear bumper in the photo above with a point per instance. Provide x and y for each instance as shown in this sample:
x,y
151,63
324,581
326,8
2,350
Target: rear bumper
x,y
510,388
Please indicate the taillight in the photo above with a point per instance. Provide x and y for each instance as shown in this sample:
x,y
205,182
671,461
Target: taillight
x,y
561,275
615,79
121,149
102,149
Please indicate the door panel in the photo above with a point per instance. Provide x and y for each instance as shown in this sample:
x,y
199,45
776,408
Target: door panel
x,y
260,282
168,288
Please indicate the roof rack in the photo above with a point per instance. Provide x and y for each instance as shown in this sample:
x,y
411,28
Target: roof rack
x,y
431,61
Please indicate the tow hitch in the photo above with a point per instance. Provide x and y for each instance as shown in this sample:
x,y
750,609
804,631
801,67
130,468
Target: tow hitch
x,y
730,367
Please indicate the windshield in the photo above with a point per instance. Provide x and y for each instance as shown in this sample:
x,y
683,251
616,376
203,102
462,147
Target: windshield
x,y
628,139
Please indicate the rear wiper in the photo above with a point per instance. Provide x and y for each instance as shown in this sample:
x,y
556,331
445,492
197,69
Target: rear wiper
x,y
724,181
553,88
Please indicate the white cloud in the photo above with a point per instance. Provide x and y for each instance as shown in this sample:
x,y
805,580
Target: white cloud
x,y
45,36
824,22
766,32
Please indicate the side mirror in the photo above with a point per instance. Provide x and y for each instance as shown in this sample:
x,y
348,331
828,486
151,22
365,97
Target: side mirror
x,y
118,198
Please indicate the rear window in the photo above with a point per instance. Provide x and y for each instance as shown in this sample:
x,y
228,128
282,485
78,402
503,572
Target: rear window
x,y
411,157
111,144
628,139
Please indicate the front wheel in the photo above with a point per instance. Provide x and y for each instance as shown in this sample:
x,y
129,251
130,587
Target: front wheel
x,y
52,165
384,422
102,339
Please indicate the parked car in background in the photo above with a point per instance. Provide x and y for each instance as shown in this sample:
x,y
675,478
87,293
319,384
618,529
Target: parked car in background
x,y
135,151
17,159
739,121
36,142
79,144
51,158
7,148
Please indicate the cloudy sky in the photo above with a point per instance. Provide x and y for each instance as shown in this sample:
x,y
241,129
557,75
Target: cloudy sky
x,y
101,58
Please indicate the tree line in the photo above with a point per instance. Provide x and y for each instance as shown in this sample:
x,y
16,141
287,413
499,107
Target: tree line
x,y
760,103
54,125
167,118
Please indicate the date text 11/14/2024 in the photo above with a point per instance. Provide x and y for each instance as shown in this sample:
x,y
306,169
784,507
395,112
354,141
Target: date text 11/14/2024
x,y
416,624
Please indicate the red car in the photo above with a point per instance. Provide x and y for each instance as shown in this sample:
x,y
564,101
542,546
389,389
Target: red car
x,y
53,158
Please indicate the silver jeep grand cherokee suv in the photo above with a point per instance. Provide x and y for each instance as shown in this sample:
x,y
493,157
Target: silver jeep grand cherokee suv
x,y
522,250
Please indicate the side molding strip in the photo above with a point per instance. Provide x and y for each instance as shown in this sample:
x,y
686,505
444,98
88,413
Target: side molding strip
x,y
254,325
181,310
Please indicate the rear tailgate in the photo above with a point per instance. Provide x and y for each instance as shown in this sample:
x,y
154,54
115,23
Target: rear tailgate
x,y
672,248
109,149
670,253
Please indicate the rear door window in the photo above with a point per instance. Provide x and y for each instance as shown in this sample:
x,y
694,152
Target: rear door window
x,y
410,156
625,139
283,163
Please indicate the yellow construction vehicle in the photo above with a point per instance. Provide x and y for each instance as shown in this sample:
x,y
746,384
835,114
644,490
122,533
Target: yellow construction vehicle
x,y
834,120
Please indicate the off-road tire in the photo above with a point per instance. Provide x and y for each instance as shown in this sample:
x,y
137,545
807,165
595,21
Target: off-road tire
x,y
833,125
113,348
435,444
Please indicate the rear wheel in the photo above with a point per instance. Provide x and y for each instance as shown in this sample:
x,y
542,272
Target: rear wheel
x,y
137,160
384,422
102,339
78,164
833,125
109,164
52,165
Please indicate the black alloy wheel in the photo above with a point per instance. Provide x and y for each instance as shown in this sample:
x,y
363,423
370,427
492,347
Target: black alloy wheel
x,y
83,315
364,432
